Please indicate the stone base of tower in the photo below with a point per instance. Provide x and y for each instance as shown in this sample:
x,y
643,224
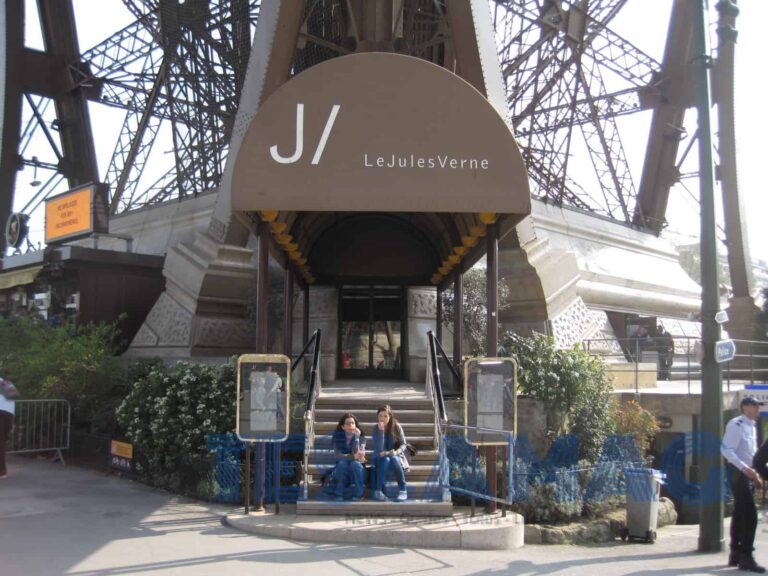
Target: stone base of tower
x,y
203,311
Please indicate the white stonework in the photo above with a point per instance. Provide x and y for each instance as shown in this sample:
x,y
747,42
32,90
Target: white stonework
x,y
422,317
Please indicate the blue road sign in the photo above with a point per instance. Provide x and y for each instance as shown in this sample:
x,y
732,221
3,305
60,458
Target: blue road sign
x,y
725,350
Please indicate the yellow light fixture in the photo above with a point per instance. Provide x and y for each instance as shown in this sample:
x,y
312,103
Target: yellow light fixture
x,y
469,241
291,247
460,250
448,264
294,255
283,239
436,278
269,215
454,258
444,270
301,261
478,231
487,217
278,227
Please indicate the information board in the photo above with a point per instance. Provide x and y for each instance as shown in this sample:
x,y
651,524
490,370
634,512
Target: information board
x,y
263,391
490,402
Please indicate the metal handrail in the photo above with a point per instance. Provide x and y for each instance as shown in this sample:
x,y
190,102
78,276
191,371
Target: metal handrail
x,y
507,438
315,385
437,388
750,362
447,361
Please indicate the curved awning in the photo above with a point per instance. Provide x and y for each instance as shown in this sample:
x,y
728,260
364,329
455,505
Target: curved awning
x,y
380,133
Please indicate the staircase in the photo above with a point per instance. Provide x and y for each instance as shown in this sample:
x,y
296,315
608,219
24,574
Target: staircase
x,y
416,414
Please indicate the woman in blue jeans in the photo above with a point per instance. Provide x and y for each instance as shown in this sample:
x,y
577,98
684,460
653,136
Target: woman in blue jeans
x,y
387,447
349,453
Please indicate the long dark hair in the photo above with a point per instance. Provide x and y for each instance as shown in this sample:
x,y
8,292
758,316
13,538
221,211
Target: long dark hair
x,y
340,425
392,424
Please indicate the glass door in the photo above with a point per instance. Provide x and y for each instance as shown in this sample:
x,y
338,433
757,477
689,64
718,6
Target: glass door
x,y
371,321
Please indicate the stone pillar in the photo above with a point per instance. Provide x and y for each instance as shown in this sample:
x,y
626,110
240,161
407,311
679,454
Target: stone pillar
x,y
324,314
422,317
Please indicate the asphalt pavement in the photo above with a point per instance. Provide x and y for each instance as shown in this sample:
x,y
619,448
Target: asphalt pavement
x,y
57,519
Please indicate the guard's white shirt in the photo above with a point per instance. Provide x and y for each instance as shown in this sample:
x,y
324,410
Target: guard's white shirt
x,y
740,442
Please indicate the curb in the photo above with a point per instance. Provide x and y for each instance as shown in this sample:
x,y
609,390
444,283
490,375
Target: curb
x,y
459,532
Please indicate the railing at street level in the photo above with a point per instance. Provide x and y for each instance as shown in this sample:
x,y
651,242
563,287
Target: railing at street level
x,y
675,359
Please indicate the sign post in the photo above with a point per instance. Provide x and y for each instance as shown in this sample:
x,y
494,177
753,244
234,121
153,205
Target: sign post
x,y
263,392
490,408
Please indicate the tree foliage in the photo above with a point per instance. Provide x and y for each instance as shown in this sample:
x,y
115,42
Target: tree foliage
x,y
572,386
475,309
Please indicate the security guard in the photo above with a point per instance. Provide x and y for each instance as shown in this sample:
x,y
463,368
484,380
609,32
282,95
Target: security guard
x,y
739,447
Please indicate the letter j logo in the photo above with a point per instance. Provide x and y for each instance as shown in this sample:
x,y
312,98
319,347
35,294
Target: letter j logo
x,y
299,150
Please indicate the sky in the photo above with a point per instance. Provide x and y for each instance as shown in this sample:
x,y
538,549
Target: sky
x,y
642,22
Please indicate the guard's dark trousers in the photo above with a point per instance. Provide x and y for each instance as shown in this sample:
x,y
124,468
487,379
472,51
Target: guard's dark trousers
x,y
744,519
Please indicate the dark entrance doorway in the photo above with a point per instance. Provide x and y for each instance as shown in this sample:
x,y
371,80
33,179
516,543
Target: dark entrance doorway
x,y
370,332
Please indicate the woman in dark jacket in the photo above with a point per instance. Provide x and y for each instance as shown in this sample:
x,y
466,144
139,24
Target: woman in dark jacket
x,y
387,447
349,453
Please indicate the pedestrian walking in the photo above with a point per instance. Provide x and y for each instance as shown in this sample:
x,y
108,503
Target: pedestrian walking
x,y
8,395
739,447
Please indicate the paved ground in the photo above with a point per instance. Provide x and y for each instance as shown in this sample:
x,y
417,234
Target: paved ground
x,y
65,520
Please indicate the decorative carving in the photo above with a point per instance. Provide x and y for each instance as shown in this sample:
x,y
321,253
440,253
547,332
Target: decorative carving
x,y
170,321
577,323
144,338
225,333
422,303
217,229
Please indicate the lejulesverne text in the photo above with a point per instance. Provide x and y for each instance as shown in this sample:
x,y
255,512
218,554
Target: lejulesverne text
x,y
437,162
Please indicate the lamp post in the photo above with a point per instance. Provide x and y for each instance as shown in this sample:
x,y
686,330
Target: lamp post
x,y
711,517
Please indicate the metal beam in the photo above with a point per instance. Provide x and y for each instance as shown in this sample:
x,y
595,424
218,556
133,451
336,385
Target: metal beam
x,y
12,39
78,164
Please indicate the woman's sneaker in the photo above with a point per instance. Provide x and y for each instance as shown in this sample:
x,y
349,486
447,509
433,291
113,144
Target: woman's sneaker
x,y
402,496
378,495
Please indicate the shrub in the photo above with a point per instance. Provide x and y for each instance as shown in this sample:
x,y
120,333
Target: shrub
x,y
633,419
571,384
65,362
167,416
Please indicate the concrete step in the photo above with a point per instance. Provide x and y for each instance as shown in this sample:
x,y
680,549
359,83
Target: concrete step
x,y
324,442
416,472
375,509
410,428
344,404
424,457
417,490
369,415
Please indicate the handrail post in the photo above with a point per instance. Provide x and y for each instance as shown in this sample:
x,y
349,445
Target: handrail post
x,y
637,366
751,357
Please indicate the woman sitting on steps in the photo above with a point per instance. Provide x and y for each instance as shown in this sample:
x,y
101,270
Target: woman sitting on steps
x,y
349,453
387,448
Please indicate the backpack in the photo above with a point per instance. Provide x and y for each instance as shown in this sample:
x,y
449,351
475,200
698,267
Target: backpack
x,y
9,390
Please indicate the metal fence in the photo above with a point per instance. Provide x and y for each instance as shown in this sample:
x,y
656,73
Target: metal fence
x,y
635,363
41,426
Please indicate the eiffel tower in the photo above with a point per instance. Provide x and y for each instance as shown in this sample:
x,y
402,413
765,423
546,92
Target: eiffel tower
x,y
211,75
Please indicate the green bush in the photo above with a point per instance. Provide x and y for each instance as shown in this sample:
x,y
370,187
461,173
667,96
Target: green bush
x,y
167,415
65,362
571,384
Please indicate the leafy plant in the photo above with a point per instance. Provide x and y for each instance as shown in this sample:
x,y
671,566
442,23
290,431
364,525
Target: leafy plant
x,y
65,362
167,416
633,419
571,384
